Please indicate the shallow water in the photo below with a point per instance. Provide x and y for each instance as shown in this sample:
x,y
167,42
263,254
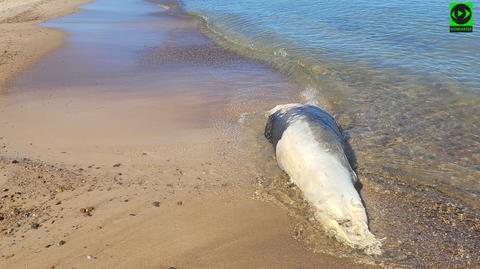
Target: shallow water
x,y
130,75
405,36
405,90
127,72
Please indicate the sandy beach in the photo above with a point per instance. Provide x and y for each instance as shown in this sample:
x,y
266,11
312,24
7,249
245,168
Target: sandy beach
x,y
161,179
21,36
130,140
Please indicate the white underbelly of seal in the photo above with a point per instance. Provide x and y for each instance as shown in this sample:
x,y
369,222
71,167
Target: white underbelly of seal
x,y
327,184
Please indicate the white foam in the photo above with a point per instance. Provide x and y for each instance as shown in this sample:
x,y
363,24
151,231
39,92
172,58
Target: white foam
x,y
310,96
243,118
281,52
165,7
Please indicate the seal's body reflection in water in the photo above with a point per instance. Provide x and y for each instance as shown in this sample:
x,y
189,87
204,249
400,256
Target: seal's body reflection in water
x,y
310,149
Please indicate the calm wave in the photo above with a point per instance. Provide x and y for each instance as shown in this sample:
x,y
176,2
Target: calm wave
x,y
405,90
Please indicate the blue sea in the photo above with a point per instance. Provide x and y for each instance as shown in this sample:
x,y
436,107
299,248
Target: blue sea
x,y
405,90
410,37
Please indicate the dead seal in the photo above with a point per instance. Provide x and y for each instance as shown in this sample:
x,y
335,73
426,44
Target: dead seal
x,y
310,148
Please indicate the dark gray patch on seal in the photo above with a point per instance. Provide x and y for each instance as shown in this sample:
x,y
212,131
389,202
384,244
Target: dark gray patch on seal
x,y
322,125
279,121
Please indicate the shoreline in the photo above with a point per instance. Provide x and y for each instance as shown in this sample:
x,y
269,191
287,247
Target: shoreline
x,y
340,89
20,24
173,186
123,195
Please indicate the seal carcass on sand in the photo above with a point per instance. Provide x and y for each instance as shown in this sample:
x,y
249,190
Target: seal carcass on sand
x,y
310,149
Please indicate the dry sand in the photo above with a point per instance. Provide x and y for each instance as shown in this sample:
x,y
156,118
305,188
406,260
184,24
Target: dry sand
x,y
157,160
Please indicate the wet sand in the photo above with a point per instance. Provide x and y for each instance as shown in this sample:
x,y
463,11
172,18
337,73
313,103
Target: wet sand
x,y
126,148
21,36
159,130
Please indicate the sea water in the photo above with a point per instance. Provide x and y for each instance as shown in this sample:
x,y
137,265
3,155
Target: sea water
x,y
405,90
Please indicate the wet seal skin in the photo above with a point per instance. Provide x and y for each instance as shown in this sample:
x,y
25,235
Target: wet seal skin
x,y
310,148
